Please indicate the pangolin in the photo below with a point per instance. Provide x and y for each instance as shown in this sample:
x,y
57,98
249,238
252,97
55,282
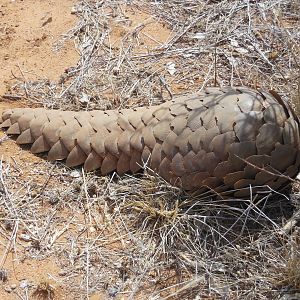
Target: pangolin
x,y
219,139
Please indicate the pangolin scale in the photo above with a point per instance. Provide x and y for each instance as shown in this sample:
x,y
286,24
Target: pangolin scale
x,y
220,139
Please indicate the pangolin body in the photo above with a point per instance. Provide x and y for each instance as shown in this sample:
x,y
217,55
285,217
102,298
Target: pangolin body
x,y
220,139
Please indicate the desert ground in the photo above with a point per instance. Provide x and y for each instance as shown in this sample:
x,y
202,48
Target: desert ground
x,y
67,234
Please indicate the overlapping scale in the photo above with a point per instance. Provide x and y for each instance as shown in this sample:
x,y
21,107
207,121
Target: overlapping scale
x,y
219,139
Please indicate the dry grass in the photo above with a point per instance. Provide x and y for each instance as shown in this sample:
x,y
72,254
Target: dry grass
x,y
137,236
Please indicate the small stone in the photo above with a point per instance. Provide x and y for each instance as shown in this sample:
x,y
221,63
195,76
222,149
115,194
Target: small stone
x,y
171,67
92,229
76,10
24,284
84,98
25,237
13,286
8,289
34,193
75,174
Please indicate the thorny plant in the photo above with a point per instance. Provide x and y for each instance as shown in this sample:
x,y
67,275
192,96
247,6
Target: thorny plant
x,y
137,236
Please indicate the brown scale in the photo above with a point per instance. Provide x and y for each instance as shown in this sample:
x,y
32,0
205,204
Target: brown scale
x,y
221,139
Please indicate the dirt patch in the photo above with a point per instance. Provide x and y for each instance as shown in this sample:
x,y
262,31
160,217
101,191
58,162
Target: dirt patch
x,y
28,273
28,31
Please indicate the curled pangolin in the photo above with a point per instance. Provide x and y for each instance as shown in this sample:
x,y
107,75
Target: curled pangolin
x,y
209,140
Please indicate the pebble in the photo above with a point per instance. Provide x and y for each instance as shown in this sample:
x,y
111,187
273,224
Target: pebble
x,y
25,237
24,284
8,289
75,174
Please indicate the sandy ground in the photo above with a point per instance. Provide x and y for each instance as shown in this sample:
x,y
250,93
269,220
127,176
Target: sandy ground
x,y
28,30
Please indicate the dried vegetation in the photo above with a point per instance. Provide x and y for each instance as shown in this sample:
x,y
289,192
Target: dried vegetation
x,y
136,237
